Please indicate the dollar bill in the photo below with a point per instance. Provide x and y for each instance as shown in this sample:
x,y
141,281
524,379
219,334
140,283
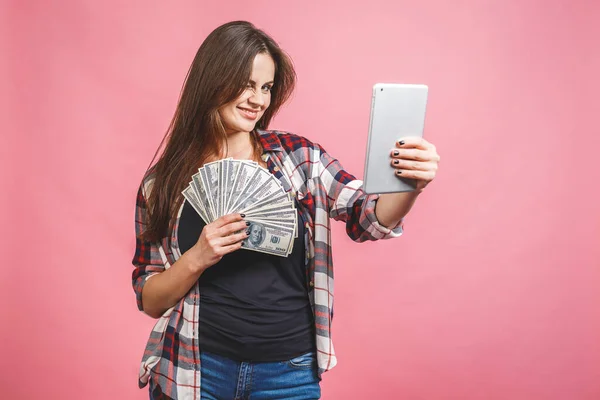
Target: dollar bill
x,y
230,171
245,172
287,215
246,197
198,190
210,180
267,187
288,224
190,196
269,239
222,186
271,208
275,200
230,186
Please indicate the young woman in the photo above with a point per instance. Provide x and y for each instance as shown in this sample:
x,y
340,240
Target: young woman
x,y
243,324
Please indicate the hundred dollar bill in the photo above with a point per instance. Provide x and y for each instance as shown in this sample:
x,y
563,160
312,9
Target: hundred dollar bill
x,y
287,224
284,223
222,186
273,208
266,188
196,184
245,171
224,173
210,181
227,186
284,227
277,199
287,215
190,196
279,215
231,171
214,168
269,239
258,178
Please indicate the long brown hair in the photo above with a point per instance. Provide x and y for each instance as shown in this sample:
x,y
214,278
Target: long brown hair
x,y
218,75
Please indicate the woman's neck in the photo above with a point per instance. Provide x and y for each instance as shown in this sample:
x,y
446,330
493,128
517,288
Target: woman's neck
x,y
239,146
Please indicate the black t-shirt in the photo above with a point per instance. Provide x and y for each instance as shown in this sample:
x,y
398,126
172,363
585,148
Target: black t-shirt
x,y
253,306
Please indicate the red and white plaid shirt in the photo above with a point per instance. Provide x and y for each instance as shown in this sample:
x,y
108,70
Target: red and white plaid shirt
x,y
171,361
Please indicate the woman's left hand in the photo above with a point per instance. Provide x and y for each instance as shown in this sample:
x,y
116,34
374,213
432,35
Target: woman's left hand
x,y
415,158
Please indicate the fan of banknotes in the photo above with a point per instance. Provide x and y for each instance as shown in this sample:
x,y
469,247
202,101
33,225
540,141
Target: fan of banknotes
x,y
237,186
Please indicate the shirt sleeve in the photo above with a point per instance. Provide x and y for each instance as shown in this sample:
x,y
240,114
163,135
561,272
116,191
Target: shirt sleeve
x,y
148,259
347,202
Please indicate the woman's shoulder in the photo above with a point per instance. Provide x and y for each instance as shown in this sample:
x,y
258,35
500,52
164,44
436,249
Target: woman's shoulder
x,y
147,182
287,141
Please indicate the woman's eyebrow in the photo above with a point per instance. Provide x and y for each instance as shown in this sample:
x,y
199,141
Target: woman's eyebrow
x,y
266,83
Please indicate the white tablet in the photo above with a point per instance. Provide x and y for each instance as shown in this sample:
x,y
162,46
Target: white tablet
x,y
397,110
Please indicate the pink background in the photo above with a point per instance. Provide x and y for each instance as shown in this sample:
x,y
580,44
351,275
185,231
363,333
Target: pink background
x,y
493,292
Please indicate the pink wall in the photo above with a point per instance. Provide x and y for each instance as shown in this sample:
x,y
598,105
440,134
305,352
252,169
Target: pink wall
x,y
494,291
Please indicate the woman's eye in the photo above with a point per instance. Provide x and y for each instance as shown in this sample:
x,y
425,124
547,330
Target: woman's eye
x,y
267,88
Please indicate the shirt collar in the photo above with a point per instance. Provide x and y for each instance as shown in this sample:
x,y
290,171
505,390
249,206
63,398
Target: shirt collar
x,y
269,140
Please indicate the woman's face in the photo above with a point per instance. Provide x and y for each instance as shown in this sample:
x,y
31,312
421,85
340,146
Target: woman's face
x,y
242,114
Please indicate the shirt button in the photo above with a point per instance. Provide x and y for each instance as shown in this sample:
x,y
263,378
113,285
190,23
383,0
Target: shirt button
x,y
311,283
276,169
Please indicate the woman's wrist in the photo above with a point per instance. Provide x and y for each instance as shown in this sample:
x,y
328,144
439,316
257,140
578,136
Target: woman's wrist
x,y
194,262
392,207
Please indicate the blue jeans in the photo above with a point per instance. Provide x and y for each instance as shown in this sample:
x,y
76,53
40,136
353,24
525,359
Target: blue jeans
x,y
225,379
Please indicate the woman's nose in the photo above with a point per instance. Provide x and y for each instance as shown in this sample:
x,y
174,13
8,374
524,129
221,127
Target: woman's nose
x,y
257,98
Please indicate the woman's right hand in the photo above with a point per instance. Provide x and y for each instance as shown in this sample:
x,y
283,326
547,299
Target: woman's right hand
x,y
218,238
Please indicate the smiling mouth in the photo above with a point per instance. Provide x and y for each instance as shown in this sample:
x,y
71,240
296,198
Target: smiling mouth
x,y
249,114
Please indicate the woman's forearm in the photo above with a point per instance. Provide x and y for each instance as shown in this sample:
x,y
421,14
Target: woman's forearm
x,y
162,291
392,207
222,236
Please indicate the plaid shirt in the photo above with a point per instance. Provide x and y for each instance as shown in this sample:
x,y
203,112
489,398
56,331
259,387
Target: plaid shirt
x,y
171,361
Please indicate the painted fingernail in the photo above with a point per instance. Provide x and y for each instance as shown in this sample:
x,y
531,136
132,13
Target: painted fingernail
x,y
247,223
243,215
396,152
396,162
401,142
398,172
248,232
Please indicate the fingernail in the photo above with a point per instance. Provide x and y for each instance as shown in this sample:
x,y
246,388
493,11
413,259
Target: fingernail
x,y
248,232
398,172
401,142
396,162
396,152
247,223
243,215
